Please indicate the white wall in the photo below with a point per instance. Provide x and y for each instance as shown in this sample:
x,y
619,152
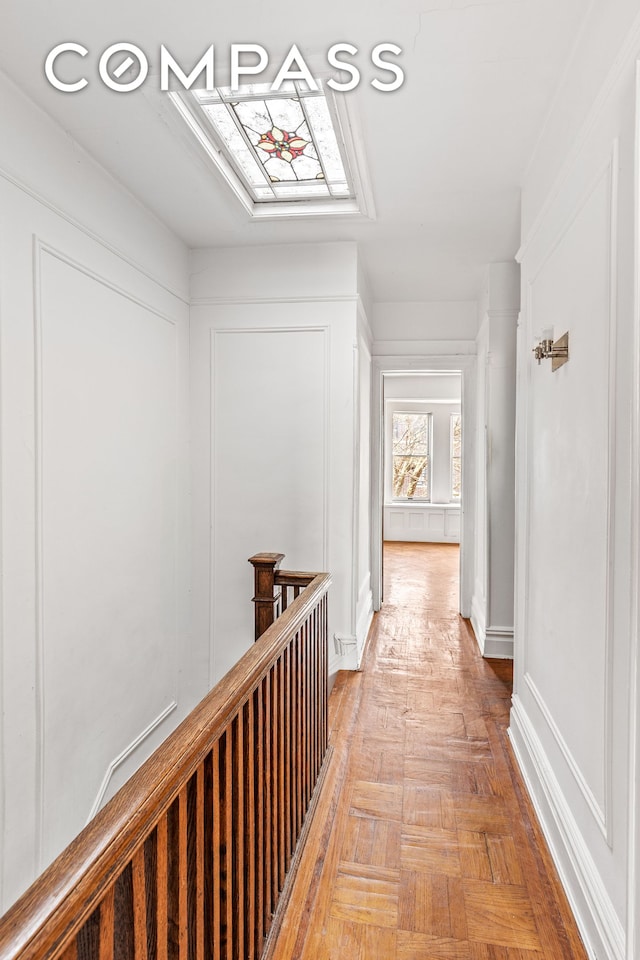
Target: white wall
x,y
492,605
403,329
97,662
481,544
605,44
362,539
575,708
275,362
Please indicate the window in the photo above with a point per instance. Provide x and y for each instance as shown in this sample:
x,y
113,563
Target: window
x,y
412,456
283,152
456,456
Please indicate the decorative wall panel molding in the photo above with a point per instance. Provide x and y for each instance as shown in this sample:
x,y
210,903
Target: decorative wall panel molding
x,y
41,252
423,523
594,806
40,247
216,337
91,234
126,753
599,924
605,178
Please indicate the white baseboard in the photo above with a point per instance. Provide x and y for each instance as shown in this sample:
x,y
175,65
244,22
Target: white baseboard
x,y
335,664
494,642
478,622
343,652
365,617
599,925
345,662
498,643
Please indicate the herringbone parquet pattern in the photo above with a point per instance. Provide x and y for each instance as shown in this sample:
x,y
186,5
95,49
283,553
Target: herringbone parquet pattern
x,y
424,845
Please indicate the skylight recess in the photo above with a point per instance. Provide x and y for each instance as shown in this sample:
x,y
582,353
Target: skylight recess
x,y
284,146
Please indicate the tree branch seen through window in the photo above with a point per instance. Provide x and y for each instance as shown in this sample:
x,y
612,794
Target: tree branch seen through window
x,y
411,454
456,456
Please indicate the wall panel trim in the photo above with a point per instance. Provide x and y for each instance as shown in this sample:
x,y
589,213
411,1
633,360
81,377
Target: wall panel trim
x,y
598,922
633,871
39,249
91,234
126,753
599,814
214,334
602,815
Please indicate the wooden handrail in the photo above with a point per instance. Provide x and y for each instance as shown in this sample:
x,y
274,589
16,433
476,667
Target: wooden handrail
x,y
167,855
294,578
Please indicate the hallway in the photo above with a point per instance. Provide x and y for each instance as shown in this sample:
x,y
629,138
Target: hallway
x,y
423,844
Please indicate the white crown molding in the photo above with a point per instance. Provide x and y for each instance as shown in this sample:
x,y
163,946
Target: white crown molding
x,y
42,247
232,301
92,235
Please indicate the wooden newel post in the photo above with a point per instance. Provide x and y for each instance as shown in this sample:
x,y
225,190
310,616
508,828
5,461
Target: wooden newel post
x,y
266,595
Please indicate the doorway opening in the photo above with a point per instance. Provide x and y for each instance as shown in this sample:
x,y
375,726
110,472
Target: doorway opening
x,y
422,476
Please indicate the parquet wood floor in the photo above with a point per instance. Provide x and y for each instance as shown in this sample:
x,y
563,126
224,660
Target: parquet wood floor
x,y
424,845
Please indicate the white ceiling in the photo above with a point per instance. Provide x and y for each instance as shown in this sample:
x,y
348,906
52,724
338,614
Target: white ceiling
x,y
446,153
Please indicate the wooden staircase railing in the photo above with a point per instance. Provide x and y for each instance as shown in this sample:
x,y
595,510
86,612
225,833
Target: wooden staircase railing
x,y
189,860
274,588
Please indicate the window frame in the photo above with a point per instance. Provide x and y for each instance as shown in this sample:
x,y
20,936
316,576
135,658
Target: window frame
x,y
429,468
181,109
452,495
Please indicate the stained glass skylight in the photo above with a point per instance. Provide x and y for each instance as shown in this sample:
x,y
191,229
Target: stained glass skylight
x,y
283,145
